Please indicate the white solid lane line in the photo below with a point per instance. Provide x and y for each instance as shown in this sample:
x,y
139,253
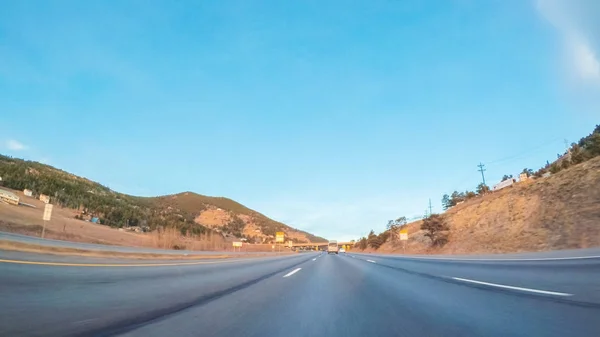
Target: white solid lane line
x,y
516,259
513,288
292,272
371,261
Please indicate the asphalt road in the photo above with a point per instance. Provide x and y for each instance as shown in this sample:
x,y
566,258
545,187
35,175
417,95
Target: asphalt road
x,y
304,295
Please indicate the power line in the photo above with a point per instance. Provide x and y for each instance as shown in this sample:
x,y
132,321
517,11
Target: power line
x,y
519,155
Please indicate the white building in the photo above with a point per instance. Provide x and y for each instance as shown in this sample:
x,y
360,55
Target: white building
x,y
503,184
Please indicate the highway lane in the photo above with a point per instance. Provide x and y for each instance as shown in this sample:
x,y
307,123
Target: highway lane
x,y
579,277
551,254
50,300
341,296
300,295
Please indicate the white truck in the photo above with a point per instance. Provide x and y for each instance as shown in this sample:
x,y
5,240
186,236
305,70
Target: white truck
x,y
332,247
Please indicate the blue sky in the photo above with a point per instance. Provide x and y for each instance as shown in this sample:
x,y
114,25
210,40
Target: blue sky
x,y
331,116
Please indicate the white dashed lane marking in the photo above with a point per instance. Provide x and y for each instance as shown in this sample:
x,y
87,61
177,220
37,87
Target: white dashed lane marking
x,y
545,292
371,261
292,272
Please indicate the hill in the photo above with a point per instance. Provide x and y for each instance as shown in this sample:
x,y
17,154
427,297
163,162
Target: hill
x,y
559,211
189,212
229,216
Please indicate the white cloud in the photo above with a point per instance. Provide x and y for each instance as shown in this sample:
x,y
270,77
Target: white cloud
x,y
572,19
14,145
585,61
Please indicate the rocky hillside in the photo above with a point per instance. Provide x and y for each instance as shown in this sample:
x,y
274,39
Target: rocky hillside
x,y
228,216
189,212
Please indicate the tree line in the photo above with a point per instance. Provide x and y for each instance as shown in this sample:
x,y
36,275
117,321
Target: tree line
x,y
434,226
392,232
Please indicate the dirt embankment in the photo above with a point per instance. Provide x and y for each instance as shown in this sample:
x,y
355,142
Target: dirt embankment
x,y
63,225
558,212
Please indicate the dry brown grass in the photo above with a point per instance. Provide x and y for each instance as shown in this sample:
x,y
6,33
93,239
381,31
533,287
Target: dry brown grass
x,y
30,248
36,230
163,240
168,238
171,238
24,220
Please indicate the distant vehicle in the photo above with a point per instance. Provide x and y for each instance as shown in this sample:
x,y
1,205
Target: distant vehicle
x,y
342,250
332,247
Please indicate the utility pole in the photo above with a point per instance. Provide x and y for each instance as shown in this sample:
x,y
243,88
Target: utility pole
x,y
481,169
430,208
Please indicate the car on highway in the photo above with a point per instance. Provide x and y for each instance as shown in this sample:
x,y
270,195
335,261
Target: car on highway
x,y
342,250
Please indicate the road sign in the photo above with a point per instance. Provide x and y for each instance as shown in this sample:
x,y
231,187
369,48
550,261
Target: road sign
x,y
279,237
47,212
237,243
403,235
46,217
290,243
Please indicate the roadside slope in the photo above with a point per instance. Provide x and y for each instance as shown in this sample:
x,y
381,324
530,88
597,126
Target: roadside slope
x,y
557,212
